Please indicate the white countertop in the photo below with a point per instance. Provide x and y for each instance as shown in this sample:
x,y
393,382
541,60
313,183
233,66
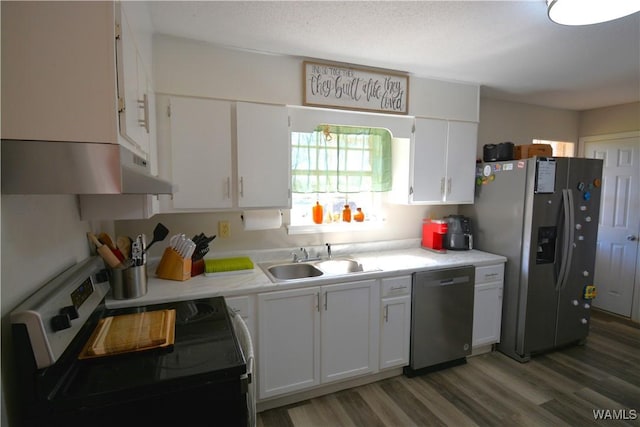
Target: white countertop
x,y
401,258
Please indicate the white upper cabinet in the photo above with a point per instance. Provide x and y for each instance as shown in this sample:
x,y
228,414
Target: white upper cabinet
x,y
437,165
59,72
200,154
205,170
134,91
461,162
264,156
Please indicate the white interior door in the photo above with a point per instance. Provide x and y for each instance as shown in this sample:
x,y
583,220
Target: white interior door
x,y
617,258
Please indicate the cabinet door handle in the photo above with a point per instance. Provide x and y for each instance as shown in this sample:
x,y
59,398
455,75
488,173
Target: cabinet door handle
x,y
386,313
442,186
228,187
241,186
326,298
397,288
449,186
143,104
318,301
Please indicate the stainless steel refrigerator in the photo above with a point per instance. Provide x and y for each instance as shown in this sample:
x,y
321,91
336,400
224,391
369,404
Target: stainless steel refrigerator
x,y
542,214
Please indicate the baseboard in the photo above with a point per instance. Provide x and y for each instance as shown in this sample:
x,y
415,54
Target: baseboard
x,y
264,405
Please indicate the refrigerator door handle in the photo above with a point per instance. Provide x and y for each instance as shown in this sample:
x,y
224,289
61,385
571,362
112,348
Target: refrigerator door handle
x,y
567,238
572,228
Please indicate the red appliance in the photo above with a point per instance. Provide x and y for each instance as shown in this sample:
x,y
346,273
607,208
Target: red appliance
x,y
433,234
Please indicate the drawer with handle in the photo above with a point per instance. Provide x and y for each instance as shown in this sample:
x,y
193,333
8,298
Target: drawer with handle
x,y
395,286
490,273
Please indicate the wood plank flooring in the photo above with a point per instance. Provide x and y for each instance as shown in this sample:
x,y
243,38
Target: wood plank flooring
x,y
559,388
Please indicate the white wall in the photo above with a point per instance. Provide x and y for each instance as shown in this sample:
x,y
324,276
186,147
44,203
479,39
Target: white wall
x,y
610,120
502,121
41,237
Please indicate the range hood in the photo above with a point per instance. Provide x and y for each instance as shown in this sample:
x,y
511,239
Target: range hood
x,y
53,167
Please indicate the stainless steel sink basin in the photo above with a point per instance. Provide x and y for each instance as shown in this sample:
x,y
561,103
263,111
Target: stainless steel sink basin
x,y
293,271
305,270
339,266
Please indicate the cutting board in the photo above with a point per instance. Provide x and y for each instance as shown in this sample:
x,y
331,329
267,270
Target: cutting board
x,y
131,333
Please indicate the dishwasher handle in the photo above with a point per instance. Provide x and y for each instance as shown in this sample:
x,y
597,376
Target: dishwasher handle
x,y
452,281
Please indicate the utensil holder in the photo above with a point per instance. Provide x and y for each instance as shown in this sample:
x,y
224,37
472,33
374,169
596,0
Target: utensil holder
x,y
128,283
197,267
173,267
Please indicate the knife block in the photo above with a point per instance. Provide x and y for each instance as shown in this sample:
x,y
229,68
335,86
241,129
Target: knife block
x,y
173,267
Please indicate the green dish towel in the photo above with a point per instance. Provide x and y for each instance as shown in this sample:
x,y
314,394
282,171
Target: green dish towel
x,y
219,265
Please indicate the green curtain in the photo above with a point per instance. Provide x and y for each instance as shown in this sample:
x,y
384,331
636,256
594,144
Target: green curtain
x,y
341,159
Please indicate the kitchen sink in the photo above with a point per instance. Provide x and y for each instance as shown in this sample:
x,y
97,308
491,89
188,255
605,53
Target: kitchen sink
x,y
293,271
339,266
304,270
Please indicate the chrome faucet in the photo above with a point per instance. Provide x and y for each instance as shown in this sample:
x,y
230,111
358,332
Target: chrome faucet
x,y
328,245
300,255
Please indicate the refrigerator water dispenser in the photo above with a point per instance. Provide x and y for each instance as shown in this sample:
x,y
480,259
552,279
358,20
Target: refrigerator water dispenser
x,y
546,252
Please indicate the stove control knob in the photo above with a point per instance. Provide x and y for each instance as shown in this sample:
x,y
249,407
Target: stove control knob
x,y
60,322
71,310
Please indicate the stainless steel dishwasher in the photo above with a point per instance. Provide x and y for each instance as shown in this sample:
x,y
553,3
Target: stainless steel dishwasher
x,y
441,319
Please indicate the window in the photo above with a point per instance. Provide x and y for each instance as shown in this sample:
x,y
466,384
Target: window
x,y
339,165
560,149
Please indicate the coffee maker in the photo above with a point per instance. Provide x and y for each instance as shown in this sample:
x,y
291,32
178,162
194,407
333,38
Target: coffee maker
x,y
459,235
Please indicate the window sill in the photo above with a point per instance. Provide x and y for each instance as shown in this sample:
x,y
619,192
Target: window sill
x,y
336,227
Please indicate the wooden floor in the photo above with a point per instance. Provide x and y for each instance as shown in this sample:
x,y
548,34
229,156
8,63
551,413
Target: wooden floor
x,y
558,388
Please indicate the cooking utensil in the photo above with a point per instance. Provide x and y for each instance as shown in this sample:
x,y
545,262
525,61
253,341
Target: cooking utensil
x,y
123,243
136,250
159,234
105,239
104,251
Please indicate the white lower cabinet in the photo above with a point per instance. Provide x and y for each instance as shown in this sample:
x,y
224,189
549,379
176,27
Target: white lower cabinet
x,y
487,305
316,335
289,341
348,330
395,322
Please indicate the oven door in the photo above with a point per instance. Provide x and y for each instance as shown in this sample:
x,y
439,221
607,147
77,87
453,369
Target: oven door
x,y
244,338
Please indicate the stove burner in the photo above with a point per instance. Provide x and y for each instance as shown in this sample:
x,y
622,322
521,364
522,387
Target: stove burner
x,y
194,311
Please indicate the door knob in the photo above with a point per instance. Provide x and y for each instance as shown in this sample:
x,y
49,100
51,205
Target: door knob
x,y
631,238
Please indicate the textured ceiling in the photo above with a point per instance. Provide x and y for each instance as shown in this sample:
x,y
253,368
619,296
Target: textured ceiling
x,y
510,48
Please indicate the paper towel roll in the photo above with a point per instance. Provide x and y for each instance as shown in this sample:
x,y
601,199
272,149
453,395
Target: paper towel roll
x,y
262,219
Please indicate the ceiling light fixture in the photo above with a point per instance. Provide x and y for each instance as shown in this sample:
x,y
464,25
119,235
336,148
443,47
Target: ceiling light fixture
x,y
586,12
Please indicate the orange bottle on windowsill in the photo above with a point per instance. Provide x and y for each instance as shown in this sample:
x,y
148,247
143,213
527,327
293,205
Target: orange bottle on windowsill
x,y
318,214
346,214
358,216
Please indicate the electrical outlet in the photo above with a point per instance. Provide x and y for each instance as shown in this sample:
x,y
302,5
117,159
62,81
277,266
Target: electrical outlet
x,y
224,229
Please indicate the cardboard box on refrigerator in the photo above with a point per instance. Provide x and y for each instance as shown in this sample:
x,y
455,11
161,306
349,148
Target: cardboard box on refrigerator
x,y
530,150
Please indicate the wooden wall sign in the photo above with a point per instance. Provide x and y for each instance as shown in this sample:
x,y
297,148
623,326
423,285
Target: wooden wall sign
x,y
339,86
